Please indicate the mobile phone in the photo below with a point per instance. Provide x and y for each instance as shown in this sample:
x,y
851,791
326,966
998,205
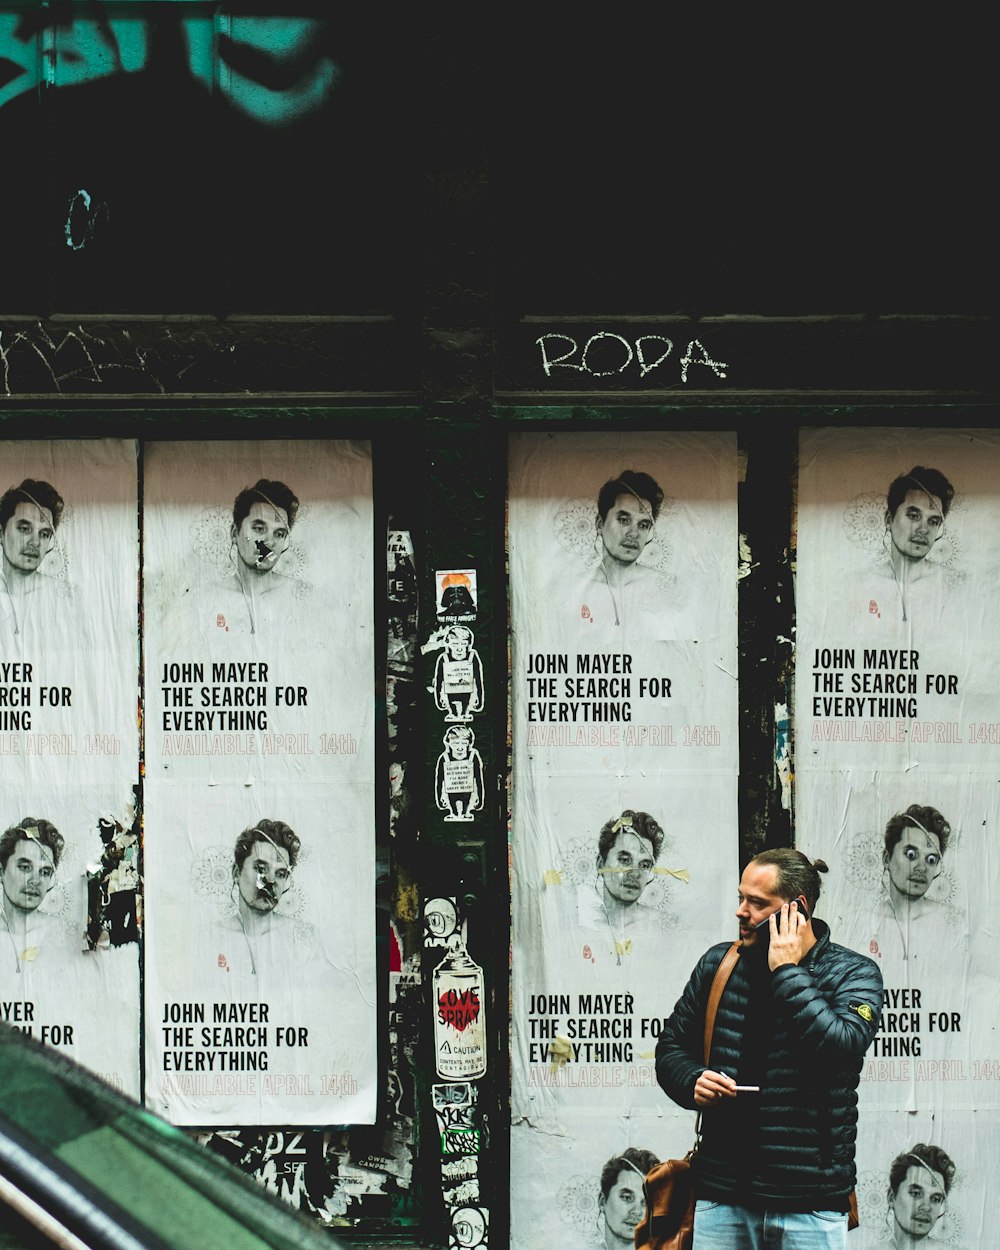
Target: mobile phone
x,y
803,912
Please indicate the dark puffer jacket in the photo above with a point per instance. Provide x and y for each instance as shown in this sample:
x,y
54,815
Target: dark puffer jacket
x,y
800,1033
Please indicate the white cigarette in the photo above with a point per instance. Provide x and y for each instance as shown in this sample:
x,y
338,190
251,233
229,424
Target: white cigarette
x,y
748,1089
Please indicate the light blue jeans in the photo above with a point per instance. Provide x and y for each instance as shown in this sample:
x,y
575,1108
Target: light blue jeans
x,y
718,1226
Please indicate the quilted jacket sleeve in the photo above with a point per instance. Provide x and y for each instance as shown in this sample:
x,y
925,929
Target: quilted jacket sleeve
x,y
834,1013
679,1048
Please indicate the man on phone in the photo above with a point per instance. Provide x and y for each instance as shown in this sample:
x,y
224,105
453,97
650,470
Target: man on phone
x,y
779,1095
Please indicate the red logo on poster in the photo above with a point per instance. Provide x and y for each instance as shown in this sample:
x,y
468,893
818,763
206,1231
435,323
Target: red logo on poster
x,y
459,1008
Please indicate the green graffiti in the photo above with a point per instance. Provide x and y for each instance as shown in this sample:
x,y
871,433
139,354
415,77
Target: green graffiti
x,y
273,69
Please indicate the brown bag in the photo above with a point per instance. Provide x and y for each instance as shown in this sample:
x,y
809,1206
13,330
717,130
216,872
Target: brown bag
x,y
669,1220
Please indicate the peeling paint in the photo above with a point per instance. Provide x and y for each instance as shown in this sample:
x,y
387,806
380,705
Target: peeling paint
x,y
407,902
291,1164
113,906
747,564
782,753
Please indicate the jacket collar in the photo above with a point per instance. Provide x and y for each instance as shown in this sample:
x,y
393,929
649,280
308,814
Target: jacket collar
x,y
822,931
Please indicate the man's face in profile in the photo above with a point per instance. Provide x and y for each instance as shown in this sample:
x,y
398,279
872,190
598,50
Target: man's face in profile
x,y
918,1202
265,876
28,537
915,862
627,528
624,1206
263,536
758,898
28,875
917,525
628,866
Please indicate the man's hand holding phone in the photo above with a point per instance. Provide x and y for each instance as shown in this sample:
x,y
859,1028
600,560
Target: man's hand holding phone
x,y
791,935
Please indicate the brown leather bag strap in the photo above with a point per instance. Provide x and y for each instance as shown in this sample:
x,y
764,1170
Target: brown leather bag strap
x,y
718,985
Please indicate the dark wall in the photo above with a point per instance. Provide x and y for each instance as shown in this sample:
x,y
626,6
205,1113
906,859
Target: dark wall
x,y
801,213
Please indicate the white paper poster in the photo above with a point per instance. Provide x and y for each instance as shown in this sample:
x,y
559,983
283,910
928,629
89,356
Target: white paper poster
x,y
69,952
896,615
909,872
260,1000
624,837
258,573
260,965
923,1180
69,617
69,749
897,773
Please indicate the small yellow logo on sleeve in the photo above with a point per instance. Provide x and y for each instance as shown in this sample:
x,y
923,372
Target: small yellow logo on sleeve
x,y
863,1010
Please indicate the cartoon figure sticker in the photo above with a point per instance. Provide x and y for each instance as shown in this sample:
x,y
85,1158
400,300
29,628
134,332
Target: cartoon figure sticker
x,y
440,921
458,776
469,1227
457,598
458,676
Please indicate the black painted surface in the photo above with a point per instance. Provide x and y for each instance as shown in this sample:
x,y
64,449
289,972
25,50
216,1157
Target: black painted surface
x,y
812,204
